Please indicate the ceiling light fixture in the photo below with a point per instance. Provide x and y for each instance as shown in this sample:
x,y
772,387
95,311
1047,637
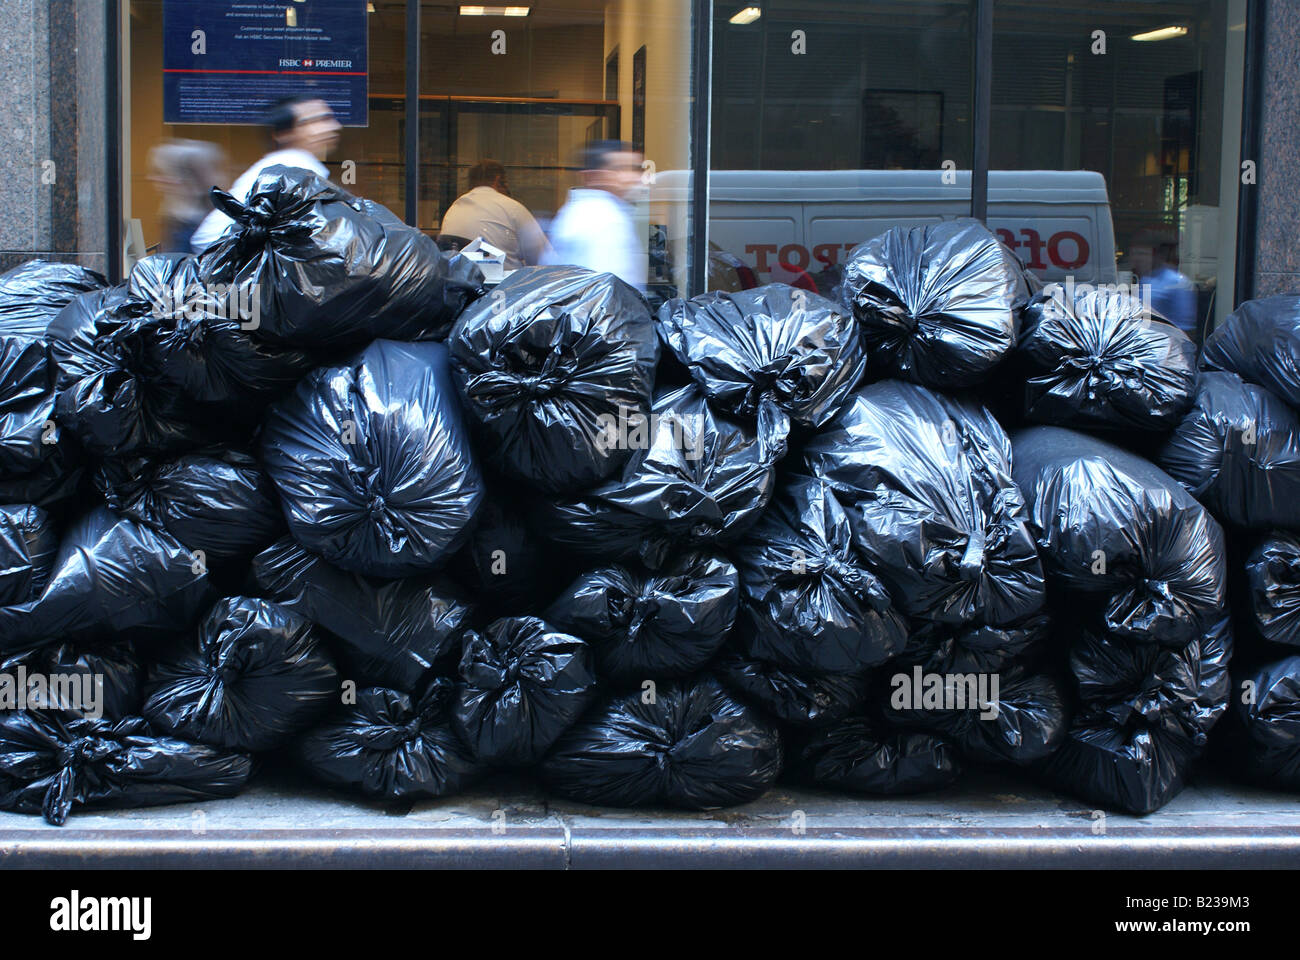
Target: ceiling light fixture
x,y
475,11
747,15
1163,33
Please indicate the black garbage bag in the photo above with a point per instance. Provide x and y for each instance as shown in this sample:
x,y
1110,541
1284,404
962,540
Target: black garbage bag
x,y
28,545
939,304
522,685
1182,692
947,648
1273,575
373,462
255,675
204,346
809,601
109,572
1260,342
216,501
701,482
32,459
861,756
1132,768
681,744
1238,452
28,432
1100,360
384,632
644,624
926,480
33,293
330,270
391,745
774,353
1010,715
1269,720
108,396
52,761
504,562
1146,715
1122,537
55,483
800,699
556,368
98,679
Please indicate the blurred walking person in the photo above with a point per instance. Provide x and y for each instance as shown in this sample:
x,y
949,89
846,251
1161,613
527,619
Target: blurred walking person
x,y
596,228
184,171
303,132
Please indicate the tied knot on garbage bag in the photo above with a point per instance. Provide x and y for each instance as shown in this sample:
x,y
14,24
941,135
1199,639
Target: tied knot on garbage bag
x,y
1102,360
641,611
72,759
258,220
938,304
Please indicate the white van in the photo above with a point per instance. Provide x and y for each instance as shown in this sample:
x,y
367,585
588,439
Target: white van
x,y
780,224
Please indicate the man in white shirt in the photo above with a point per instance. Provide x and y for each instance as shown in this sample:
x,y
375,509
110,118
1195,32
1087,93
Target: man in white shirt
x,y
303,132
487,210
595,227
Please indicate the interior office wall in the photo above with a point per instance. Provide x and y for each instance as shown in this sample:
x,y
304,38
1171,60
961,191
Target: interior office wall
x,y
664,28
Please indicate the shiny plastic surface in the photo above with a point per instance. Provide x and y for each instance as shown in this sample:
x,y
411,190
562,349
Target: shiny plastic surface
x,y
373,463
939,304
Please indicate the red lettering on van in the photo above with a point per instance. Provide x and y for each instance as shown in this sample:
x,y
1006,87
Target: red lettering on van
x,y
762,250
827,253
789,251
1035,244
1081,250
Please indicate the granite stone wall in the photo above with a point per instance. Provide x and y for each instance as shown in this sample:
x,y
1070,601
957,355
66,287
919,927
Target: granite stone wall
x,y
1277,260
52,188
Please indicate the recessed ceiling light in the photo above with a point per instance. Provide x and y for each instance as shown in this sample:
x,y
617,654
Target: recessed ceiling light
x,y
747,15
1163,33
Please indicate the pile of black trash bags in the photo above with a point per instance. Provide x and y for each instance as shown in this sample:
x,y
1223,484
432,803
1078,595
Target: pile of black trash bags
x,y
318,498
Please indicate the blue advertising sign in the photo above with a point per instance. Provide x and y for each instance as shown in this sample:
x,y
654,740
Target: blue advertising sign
x,y
226,61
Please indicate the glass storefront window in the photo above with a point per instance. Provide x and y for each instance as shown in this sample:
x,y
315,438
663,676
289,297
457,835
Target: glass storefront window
x,y
1111,159
832,122
530,92
1147,97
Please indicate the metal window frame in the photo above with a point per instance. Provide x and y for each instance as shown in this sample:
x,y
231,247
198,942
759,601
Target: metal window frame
x,y
982,108
113,139
702,100
1252,106
412,145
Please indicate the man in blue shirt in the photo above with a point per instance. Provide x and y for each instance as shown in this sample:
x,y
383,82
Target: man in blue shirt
x,y
1172,295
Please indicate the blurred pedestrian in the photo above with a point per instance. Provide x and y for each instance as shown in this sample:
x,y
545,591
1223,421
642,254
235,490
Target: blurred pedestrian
x,y
1152,256
184,171
595,227
303,132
